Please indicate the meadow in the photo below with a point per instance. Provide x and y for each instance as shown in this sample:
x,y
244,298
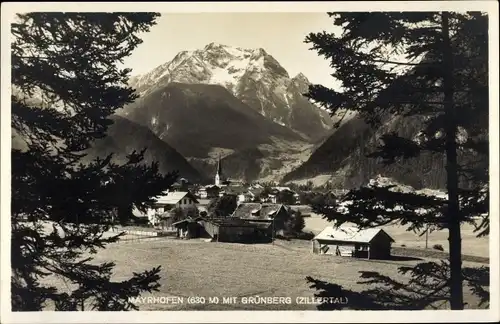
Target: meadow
x,y
202,269
211,269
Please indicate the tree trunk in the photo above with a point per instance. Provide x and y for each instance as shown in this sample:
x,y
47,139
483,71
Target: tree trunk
x,y
453,212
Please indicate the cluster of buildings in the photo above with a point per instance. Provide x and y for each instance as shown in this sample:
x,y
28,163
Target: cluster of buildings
x,y
254,220
244,192
250,222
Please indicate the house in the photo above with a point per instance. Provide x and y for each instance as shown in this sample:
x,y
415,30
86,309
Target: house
x,y
170,200
173,199
273,214
235,190
241,192
252,195
236,230
370,243
275,191
235,182
279,189
202,193
256,186
182,184
271,198
246,197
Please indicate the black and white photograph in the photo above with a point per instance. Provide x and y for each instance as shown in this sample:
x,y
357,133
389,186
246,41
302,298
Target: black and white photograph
x,y
179,160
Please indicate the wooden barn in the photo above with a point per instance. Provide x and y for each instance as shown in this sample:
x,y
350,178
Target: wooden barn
x,y
371,243
274,215
188,228
236,230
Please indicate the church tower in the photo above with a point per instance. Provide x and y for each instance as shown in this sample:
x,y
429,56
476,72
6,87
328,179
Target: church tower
x,y
218,175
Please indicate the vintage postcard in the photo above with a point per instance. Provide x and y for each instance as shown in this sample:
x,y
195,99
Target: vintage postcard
x,y
249,162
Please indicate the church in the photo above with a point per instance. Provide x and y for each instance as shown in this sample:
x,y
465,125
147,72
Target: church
x,y
218,174
222,185
222,181
214,190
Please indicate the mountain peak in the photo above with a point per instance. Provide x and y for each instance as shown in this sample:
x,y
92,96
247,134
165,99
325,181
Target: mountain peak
x,y
260,51
214,45
250,74
301,77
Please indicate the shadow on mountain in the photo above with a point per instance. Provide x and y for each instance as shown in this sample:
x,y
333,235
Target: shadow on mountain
x,y
346,154
426,288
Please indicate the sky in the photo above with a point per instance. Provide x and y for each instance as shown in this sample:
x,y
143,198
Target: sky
x,y
280,34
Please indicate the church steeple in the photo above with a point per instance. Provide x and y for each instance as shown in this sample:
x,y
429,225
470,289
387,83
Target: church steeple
x,y
218,175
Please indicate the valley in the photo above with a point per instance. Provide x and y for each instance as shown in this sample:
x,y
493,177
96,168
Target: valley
x,y
239,104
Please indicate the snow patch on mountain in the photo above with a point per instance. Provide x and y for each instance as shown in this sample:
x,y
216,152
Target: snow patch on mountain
x,y
215,64
252,75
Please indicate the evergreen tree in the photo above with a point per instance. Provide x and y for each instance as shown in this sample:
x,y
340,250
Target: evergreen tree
x,y
285,197
66,82
298,222
135,185
432,66
178,214
191,212
223,206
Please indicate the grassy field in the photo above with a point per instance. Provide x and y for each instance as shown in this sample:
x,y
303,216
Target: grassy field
x,y
471,245
198,268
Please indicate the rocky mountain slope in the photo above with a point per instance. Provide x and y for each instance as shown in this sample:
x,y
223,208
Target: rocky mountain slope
x,y
196,118
342,158
124,136
203,121
251,75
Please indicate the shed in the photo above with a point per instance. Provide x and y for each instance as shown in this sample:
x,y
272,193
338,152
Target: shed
x,y
370,243
236,230
188,227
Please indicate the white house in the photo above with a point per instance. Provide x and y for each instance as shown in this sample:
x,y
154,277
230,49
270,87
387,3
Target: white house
x,y
282,189
272,199
246,197
202,192
170,200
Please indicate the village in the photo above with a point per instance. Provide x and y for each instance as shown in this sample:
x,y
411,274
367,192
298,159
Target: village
x,y
234,212
231,240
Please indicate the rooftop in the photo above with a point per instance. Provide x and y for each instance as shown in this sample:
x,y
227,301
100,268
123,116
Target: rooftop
x,y
173,197
235,222
256,211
